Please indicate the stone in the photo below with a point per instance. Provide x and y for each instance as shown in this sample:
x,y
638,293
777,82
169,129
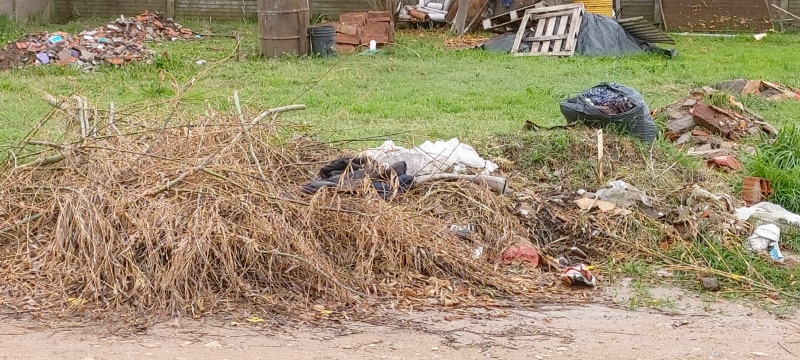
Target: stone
x,y
710,283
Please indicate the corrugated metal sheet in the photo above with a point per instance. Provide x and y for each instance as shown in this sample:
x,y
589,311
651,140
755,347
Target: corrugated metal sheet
x,y
719,15
645,30
601,7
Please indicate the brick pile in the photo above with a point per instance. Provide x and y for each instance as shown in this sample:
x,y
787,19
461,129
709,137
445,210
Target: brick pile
x,y
356,29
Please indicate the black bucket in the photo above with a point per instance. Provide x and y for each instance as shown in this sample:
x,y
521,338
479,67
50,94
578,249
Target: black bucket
x,y
323,40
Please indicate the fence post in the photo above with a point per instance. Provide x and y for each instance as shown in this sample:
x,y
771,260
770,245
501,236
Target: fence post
x,y
170,8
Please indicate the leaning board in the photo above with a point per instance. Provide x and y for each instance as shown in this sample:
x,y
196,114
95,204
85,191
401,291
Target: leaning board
x,y
555,30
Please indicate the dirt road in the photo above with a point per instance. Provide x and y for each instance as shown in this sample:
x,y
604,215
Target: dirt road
x,y
693,330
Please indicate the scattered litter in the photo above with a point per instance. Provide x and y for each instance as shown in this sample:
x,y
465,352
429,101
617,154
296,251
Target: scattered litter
x,y
766,238
432,158
758,37
348,174
522,251
623,194
578,275
756,190
200,62
612,98
768,212
723,202
464,231
710,283
119,42
604,206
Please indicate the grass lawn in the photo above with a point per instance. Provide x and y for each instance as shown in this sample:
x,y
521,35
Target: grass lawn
x,y
417,90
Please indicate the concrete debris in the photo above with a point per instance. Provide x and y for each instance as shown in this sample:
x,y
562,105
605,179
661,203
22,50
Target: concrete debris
x,y
117,43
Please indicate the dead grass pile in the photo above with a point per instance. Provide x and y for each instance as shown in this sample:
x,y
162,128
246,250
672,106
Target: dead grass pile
x,y
209,217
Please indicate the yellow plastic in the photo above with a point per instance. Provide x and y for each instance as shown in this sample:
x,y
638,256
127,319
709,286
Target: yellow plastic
x,y
600,7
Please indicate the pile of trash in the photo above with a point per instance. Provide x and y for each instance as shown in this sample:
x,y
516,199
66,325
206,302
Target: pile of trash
x,y
119,42
208,220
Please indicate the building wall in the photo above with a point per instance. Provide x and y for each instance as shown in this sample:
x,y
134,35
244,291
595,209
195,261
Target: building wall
x,y
647,8
204,9
25,9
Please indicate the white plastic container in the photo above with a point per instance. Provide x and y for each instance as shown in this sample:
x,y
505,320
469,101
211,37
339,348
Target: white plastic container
x,y
373,45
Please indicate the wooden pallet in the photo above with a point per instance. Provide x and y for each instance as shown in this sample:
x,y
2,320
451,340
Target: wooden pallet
x,y
555,30
509,21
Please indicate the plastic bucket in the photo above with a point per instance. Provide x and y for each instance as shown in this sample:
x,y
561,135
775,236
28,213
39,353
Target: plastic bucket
x,y
323,40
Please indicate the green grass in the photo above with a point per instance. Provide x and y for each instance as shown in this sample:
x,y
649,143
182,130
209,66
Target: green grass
x,y
779,161
418,88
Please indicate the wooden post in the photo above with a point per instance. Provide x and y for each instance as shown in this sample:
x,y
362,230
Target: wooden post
x,y
170,8
238,46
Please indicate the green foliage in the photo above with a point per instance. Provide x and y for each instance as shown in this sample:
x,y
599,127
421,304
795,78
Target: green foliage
x,y
9,30
779,162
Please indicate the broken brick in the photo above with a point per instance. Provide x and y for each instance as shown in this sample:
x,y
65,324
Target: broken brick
x,y
725,163
755,190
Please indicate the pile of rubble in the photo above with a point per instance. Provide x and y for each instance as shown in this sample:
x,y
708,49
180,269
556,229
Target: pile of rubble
x,y
117,43
713,132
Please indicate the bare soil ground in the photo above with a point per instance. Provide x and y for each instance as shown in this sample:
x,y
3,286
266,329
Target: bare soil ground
x,y
689,329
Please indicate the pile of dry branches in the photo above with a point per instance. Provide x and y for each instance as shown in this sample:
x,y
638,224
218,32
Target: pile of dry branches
x,y
187,219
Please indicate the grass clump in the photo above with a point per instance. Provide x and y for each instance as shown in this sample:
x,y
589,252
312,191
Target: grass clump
x,y
779,162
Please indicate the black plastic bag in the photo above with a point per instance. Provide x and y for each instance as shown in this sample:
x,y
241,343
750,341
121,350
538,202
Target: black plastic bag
x,y
637,120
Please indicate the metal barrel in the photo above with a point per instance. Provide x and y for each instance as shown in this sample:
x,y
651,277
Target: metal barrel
x,y
283,27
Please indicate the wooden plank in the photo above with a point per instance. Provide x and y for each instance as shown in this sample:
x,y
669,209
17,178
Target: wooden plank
x,y
551,26
573,30
520,34
663,18
550,15
562,27
540,27
553,37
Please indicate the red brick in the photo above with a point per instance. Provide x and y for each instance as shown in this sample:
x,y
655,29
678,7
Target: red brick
x,y
353,18
348,29
348,39
373,29
345,48
379,38
390,31
379,16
